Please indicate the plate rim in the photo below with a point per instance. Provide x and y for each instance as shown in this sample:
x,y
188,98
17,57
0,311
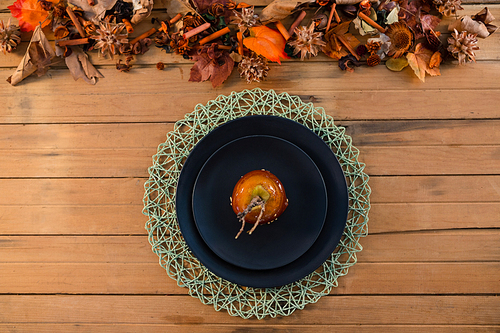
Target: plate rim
x,y
324,202
278,276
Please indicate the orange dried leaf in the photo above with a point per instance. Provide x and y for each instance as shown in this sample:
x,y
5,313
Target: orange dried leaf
x,y
435,60
266,42
420,60
30,14
334,48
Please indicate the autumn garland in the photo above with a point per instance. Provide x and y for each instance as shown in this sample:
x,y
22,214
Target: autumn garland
x,y
401,33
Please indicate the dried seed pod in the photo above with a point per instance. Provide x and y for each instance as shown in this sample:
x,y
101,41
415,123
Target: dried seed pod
x,y
160,66
61,32
373,46
462,46
373,60
216,9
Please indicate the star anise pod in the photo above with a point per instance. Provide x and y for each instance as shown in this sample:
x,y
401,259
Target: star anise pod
x,y
109,38
462,46
307,42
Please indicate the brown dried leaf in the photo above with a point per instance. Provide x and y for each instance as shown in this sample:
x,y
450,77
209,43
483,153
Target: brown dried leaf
x,y
435,60
37,59
334,48
466,23
80,66
212,65
280,9
420,60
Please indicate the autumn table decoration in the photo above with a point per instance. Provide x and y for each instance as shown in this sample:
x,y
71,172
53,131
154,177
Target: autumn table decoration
x,y
221,35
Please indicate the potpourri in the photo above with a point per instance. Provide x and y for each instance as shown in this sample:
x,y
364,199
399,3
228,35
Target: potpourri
x,y
220,36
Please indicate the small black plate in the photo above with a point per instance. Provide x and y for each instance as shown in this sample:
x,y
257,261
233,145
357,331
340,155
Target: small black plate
x,y
325,160
270,245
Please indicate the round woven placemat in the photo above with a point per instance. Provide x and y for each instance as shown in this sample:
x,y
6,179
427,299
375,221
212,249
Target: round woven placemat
x,y
163,229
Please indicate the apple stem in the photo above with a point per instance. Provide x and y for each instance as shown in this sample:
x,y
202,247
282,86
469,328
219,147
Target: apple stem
x,y
256,201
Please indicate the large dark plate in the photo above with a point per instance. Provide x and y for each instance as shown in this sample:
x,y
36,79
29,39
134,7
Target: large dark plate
x,y
324,159
271,245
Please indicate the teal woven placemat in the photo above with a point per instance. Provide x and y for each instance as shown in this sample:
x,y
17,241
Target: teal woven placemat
x,y
163,229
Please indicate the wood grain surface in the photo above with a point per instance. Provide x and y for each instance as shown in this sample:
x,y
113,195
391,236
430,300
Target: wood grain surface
x,y
74,254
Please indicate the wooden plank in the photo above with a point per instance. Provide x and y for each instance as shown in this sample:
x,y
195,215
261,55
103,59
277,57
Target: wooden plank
x,y
424,132
401,189
453,95
128,219
418,217
123,162
250,328
150,278
131,135
329,310
436,246
429,160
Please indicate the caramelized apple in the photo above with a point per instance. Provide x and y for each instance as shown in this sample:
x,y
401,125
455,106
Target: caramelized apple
x,y
258,198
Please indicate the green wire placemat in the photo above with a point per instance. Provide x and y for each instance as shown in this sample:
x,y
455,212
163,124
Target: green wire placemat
x,y
163,229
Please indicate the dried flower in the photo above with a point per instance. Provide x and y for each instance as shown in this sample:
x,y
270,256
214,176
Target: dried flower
x,y
462,46
307,42
109,38
253,68
216,9
401,38
448,7
246,19
373,46
10,36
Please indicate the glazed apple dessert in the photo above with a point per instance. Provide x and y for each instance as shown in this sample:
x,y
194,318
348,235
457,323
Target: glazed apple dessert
x,y
258,197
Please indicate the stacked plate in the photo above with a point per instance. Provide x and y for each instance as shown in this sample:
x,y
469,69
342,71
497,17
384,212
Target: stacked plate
x,y
300,240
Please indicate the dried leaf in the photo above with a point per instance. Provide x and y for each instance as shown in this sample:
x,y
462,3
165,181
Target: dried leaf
x,y
363,27
478,27
334,47
212,65
94,13
30,14
396,64
37,59
393,16
142,9
80,67
429,22
178,6
420,60
266,42
435,61
280,9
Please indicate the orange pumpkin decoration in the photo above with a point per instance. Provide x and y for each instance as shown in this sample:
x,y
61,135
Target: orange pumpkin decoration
x,y
266,42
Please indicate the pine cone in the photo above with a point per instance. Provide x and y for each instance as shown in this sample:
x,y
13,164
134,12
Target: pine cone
x,y
109,38
10,37
253,69
462,46
307,42
246,19
448,7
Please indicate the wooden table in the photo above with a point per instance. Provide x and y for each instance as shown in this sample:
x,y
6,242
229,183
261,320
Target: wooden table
x,y
74,254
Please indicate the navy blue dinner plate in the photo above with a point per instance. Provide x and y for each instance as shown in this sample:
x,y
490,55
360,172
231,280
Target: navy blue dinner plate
x,y
316,149
270,245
